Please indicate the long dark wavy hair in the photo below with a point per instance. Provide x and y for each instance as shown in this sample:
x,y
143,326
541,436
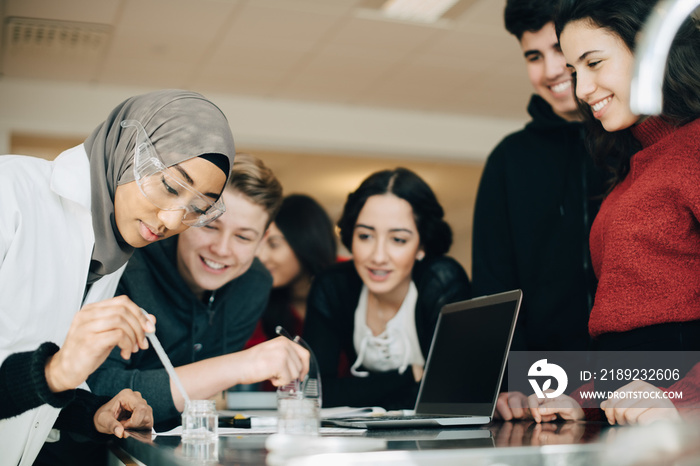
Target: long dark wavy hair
x,y
308,230
434,232
681,88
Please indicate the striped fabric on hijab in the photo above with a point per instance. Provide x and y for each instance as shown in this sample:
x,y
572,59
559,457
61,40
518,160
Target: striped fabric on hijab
x,y
181,125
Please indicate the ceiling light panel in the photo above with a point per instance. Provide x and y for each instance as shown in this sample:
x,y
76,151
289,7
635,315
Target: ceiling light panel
x,y
425,11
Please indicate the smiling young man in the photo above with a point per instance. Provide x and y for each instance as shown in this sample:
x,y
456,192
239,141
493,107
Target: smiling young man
x,y
537,199
207,291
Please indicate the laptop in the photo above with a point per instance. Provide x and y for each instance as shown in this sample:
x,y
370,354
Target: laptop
x,y
464,368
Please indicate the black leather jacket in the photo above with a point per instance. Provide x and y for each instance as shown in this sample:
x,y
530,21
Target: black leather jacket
x,y
330,323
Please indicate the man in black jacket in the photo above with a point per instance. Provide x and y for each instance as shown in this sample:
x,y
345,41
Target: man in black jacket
x,y
537,198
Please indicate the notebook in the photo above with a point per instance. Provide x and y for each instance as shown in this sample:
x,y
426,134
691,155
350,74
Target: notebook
x,y
464,368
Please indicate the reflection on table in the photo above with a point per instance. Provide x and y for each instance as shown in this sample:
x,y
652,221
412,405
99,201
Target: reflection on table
x,y
512,443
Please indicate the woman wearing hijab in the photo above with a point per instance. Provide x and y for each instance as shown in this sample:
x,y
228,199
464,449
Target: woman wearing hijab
x,y
156,166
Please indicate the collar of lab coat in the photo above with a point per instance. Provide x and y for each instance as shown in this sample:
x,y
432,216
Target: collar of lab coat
x,y
71,176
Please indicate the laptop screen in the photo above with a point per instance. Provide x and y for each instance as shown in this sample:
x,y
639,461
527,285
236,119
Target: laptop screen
x,y
467,358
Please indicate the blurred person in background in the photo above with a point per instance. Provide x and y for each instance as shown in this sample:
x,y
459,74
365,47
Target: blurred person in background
x,y
300,243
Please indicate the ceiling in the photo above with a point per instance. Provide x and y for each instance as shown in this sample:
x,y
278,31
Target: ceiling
x,y
325,51
332,51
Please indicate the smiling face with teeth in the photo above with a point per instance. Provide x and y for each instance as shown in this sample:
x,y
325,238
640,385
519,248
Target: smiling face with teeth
x,y
546,68
209,257
385,246
604,65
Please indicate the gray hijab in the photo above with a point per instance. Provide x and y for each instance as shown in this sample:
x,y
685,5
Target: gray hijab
x,y
181,125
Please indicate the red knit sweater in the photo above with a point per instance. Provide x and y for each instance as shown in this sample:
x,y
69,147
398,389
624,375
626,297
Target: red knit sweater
x,y
645,241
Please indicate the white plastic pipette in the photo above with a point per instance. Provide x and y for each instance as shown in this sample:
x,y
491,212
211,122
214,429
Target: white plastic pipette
x,y
166,361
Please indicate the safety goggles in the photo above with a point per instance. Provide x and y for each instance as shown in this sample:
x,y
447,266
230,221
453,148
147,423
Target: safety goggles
x,y
165,187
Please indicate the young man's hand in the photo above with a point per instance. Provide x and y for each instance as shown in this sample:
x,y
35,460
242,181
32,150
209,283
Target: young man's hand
x,y
279,360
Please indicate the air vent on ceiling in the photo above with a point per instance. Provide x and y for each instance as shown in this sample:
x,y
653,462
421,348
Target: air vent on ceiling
x,y
47,37
40,48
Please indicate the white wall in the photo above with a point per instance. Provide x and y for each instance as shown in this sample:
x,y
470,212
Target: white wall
x,y
56,108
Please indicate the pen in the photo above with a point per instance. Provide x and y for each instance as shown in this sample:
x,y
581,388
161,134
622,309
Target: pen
x,y
294,385
279,330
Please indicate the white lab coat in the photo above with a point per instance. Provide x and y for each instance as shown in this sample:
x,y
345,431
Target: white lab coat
x,y
46,241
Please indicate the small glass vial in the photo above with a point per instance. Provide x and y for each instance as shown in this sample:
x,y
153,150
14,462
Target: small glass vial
x,y
200,421
297,415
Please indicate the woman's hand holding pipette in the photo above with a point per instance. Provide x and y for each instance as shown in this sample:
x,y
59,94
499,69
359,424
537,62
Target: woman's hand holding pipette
x,y
96,329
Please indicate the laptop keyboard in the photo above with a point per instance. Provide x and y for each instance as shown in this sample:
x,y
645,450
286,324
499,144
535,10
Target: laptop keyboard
x,y
398,418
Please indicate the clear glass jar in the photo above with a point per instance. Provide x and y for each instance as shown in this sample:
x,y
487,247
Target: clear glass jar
x,y
297,414
200,420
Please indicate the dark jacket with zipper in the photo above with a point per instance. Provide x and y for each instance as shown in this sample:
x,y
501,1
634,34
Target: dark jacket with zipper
x,y
189,329
537,198
330,324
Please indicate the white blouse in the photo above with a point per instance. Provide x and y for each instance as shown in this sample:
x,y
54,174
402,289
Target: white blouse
x,y
396,347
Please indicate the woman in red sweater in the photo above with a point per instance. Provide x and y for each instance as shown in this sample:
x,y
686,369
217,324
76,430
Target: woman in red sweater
x,y
645,241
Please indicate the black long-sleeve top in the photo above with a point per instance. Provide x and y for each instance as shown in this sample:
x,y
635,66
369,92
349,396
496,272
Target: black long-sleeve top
x,y
537,199
330,323
23,386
